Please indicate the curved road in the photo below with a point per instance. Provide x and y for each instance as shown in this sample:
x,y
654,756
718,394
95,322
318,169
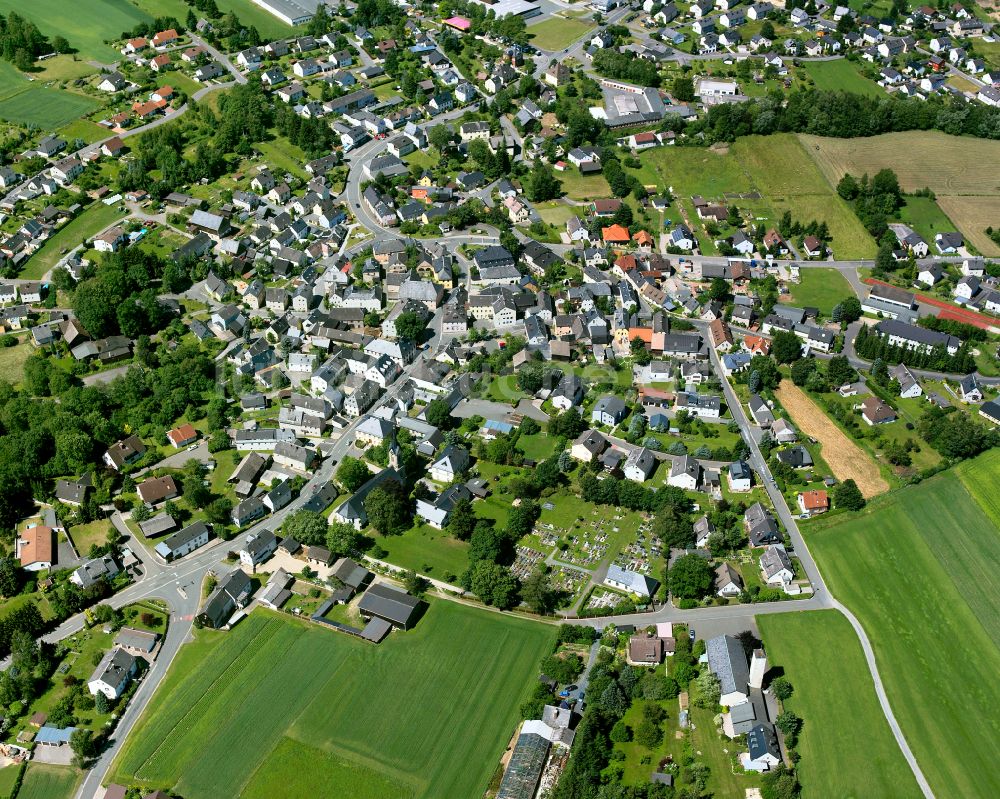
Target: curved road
x,y
179,583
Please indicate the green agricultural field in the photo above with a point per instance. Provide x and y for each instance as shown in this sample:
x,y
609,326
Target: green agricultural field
x,y
84,23
777,167
841,75
49,782
11,80
46,108
918,569
557,32
8,777
329,775
92,221
821,288
435,736
821,682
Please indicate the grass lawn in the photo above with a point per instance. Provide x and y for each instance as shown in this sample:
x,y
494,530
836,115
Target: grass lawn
x,y
537,447
46,108
582,187
282,155
63,67
821,288
8,776
87,535
427,550
83,129
12,361
558,32
443,741
821,683
927,553
92,221
924,216
86,648
555,213
841,75
42,781
85,23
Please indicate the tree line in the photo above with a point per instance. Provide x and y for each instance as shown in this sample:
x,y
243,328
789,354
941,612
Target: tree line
x,y
844,115
871,346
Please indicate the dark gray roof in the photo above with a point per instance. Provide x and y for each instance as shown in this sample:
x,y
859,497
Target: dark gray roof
x,y
729,663
388,603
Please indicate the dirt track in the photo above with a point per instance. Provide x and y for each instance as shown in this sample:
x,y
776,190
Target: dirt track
x,y
845,458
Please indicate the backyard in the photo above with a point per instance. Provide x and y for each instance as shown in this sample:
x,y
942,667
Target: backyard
x,y
927,552
442,742
820,288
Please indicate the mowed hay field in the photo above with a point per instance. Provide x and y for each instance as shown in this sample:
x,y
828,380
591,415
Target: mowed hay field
x,y
962,171
424,715
826,671
918,568
945,164
845,458
974,215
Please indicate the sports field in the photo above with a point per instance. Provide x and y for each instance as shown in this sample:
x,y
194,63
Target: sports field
x,y
424,715
830,739
48,782
820,288
918,568
844,457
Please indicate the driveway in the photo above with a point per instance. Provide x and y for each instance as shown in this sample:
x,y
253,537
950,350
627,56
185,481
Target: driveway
x,y
178,459
497,410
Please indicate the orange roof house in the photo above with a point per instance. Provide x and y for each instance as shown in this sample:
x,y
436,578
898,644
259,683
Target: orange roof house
x,y
165,37
36,548
160,61
813,502
616,234
643,239
757,345
144,110
182,435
